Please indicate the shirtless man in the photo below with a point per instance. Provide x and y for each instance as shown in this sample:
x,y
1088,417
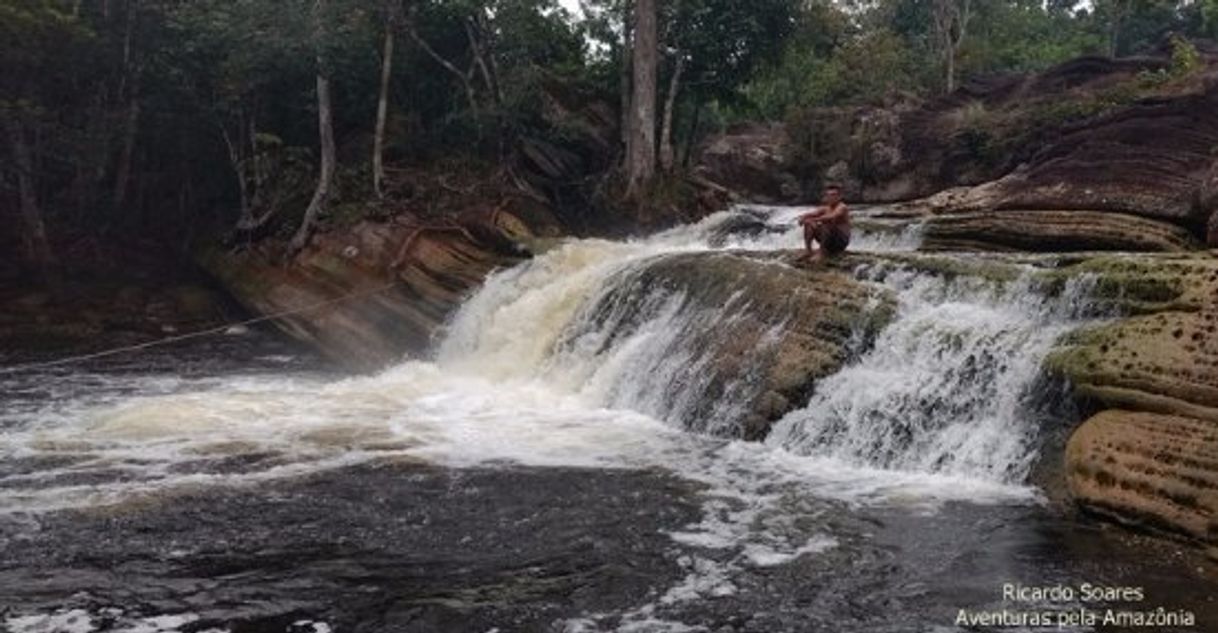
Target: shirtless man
x,y
828,225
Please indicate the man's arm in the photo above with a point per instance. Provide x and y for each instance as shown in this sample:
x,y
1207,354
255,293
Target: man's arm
x,y
816,214
833,215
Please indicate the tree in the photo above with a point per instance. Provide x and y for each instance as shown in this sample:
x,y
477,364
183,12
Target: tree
x,y
41,47
38,247
641,160
951,18
325,133
382,102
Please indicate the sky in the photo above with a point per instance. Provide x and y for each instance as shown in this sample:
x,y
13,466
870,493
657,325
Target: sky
x,y
571,5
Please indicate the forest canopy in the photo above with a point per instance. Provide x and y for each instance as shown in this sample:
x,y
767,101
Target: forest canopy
x,y
173,118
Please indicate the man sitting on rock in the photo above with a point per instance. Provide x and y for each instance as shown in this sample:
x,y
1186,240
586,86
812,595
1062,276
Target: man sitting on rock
x,y
828,225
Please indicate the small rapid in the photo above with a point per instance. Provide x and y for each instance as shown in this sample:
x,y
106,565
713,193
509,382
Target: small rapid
x,y
580,359
572,359
949,387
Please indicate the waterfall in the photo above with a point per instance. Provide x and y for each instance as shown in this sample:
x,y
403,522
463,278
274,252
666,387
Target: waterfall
x,y
948,387
585,357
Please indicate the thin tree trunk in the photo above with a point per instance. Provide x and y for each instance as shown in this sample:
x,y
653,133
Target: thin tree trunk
x,y
128,87
475,45
667,153
692,137
382,112
122,174
641,164
465,80
325,133
246,217
951,70
34,229
624,79
325,178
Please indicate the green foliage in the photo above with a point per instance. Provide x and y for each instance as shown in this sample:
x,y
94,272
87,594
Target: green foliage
x,y
1185,60
975,134
1024,36
226,105
865,68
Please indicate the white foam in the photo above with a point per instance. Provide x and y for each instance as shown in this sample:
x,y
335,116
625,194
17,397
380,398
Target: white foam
x,y
946,387
524,377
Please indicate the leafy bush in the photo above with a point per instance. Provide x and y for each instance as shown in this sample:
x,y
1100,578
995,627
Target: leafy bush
x,y
1185,60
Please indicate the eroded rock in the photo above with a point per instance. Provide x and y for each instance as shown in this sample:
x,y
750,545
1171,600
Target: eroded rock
x,y
758,335
1052,231
1146,468
370,294
1150,453
751,161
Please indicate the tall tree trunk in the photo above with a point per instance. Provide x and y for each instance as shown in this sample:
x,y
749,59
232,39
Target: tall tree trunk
x,y
692,136
325,132
950,65
382,111
641,162
1114,26
624,78
667,154
950,19
122,174
33,228
128,88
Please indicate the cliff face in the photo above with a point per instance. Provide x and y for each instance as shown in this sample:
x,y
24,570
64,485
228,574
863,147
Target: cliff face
x,y
1093,154
370,294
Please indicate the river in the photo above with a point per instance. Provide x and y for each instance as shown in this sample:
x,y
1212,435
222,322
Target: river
x,y
554,465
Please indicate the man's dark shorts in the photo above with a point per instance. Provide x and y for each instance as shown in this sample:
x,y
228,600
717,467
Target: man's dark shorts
x,y
834,240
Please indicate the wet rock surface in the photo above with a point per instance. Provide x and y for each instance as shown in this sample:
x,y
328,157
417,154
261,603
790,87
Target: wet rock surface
x,y
774,327
372,293
1147,456
1052,231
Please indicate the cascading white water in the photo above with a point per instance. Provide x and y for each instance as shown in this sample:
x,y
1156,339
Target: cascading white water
x,y
570,360
573,360
947,386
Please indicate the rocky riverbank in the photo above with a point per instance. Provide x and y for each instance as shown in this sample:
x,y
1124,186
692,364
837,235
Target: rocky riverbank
x,y
1095,154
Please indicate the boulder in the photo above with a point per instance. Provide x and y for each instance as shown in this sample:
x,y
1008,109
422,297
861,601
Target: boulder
x,y
1148,451
750,160
1089,137
1149,469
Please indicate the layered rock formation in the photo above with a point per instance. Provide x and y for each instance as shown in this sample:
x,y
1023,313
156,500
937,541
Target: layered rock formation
x,y
370,294
1149,454
1092,154
752,160
1052,231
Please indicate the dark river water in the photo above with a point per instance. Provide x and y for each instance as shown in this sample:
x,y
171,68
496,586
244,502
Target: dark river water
x,y
402,543
536,474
